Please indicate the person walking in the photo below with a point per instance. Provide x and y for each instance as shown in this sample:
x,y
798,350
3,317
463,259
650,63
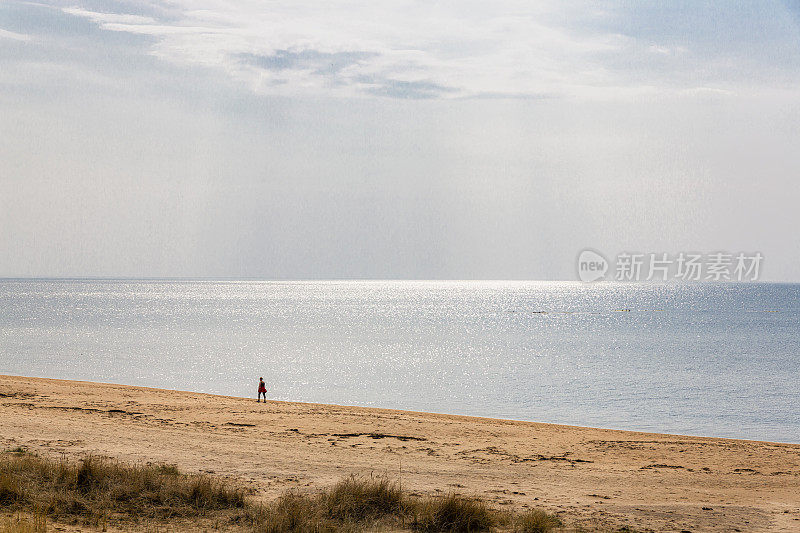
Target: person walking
x,y
262,389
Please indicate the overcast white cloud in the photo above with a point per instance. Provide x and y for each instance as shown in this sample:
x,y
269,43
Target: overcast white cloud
x,y
456,48
393,139
5,34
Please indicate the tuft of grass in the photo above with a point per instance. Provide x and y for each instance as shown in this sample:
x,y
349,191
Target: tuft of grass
x,y
35,523
536,521
89,491
350,505
453,513
357,499
95,491
168,470
11,490
292,513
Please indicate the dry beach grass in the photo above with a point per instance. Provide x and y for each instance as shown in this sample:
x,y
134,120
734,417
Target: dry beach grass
x,y
104,493
290,454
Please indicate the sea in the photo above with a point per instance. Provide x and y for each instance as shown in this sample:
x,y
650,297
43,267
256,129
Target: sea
x,y
710,359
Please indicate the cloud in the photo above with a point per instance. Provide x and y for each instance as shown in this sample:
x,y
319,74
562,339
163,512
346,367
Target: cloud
x,y
407,89
127,117
5,34
105,19
318,62
395,50
708,93
454,49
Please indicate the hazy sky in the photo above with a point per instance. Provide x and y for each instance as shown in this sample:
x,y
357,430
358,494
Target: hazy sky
x,y
382,139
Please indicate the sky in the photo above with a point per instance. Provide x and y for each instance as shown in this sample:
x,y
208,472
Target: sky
x,y
394,139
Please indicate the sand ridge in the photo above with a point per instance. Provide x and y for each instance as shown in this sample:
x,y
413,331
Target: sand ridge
x,y
595,477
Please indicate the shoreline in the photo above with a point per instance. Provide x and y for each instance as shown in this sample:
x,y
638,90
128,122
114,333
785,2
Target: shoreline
x,y
589,476
406,411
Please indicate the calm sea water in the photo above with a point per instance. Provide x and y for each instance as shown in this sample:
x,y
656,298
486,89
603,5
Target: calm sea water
x,y
703,359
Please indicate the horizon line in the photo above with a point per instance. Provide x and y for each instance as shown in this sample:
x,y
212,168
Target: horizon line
x,y
354,279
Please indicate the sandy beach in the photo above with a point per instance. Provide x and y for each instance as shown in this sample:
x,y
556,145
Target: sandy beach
x,y
592,477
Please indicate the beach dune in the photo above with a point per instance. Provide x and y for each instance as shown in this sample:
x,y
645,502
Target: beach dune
x,y
592,477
